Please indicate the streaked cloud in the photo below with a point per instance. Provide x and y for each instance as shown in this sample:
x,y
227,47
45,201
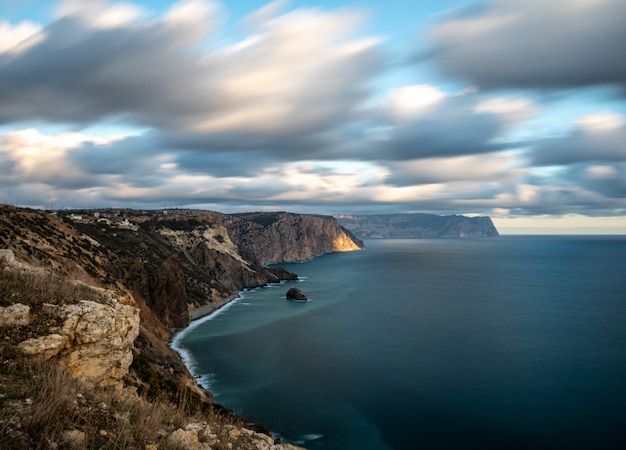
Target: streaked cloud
x,y
594,138
289,111
535,44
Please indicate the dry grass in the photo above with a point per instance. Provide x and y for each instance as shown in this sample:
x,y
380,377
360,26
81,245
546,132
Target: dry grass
x,y
35,288
41,403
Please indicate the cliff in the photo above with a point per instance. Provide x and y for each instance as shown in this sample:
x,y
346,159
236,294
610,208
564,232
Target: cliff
x,y
285,237
98,293
419,225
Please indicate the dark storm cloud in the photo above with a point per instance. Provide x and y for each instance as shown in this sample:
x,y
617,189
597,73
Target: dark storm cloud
x,y
608,180
224,164
450,133
536,44
599,138
286,145
134,156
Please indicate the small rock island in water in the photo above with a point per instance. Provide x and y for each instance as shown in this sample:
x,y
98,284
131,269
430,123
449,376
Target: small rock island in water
x,y
296,294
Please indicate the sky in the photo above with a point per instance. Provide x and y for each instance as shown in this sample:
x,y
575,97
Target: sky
x,y
515,109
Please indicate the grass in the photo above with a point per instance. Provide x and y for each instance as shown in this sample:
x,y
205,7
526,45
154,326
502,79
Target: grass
x,y
40,403
34,289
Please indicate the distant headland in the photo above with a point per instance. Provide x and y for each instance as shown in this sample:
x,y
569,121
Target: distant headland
x,y
417,225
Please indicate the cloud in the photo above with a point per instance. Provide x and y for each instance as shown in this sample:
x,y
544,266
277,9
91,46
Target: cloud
x,y
299,73
286,118
17,38
425,122
499,167
100,13
81,72
608,180
595,138
45,159
535,44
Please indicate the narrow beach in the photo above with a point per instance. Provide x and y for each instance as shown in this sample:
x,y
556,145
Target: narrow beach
x,y
203,311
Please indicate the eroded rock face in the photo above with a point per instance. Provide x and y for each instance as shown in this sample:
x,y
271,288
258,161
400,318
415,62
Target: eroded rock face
x,y
94,342
168,293
286,237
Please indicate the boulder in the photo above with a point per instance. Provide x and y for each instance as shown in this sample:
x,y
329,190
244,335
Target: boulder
x,y
15,315
296,294
185,439
95,342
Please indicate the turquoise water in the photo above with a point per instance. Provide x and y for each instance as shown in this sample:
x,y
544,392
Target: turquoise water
x,y
514,342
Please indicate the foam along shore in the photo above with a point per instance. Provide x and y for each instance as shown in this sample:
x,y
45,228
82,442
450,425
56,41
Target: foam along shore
x,y
205,310
200,315
197,317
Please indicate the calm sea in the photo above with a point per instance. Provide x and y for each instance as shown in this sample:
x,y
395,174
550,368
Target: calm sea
x,y
513,342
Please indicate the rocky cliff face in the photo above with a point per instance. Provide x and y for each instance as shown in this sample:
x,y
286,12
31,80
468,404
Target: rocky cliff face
x,y
285,237
383,226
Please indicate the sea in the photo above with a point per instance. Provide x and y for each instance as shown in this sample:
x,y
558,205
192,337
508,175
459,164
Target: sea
x,y
516,342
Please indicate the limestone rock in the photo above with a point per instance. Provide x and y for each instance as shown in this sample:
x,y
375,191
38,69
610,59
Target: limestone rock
x,y
45,346
8,257
185,439
15,315
94,342
263,441
285,237
74,438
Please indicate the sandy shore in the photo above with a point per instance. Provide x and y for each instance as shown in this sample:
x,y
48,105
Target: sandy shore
x,y
202,311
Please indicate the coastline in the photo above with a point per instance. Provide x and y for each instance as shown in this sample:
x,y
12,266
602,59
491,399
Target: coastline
x,y
206,310
200,315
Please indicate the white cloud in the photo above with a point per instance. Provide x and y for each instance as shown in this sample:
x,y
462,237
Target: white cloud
x,y
601,122
17,38
601,172
39,158
100,13
514,109
501,167
305,71
408,102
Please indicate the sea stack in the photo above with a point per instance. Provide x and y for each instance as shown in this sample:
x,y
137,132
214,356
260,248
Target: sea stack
x,y
296,295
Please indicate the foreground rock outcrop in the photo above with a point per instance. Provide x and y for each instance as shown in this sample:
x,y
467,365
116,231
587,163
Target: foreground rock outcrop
x,y
94,342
